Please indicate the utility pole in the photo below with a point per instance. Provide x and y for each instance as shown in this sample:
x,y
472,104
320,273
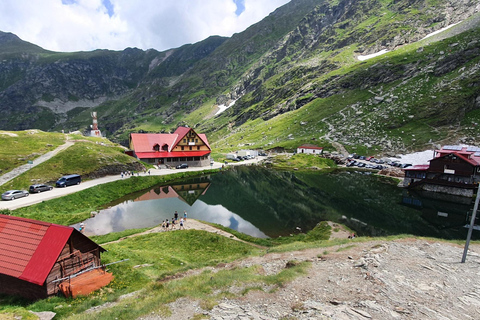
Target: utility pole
x,y
472,222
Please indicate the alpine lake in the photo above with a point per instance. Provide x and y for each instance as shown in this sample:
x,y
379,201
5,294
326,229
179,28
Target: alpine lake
x,y
268,203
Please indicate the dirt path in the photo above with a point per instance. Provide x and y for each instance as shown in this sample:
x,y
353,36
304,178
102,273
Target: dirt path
x,y
188,225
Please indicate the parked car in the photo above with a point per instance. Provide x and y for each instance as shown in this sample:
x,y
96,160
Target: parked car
x,y
182,166
14,194
69,180
36,188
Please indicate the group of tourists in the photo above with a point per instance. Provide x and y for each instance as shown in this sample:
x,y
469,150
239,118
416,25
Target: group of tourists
x,y
171,225
132,173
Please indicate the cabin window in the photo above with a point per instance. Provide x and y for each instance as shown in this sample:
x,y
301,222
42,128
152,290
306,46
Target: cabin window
x,y
165,147
184,140
196,140
183,148
156,147
190,148
198,147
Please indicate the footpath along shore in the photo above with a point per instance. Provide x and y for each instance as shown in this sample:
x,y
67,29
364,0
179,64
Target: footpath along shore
x,y
60,192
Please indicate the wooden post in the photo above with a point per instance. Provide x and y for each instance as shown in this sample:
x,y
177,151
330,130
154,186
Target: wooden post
x,y
472,222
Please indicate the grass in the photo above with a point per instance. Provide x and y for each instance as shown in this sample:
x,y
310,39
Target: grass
x,y
19,147
165,254
84,158
322,231
303,161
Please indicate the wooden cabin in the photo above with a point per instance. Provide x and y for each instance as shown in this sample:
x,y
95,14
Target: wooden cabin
x,y
453,170
35,255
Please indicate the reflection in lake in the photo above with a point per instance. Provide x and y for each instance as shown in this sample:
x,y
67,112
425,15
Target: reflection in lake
x,y
269,203
160,203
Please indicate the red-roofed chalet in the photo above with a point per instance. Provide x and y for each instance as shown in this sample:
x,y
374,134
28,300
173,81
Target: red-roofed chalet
x,y
182,146
33,254
453,170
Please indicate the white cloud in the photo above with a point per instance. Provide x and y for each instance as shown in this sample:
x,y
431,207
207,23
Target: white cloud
x,y
86,24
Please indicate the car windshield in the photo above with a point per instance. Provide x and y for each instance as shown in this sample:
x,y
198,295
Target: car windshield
x,y
61,180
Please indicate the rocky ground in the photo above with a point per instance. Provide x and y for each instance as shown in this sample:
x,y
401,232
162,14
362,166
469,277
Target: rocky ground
x,y
403,279
375,279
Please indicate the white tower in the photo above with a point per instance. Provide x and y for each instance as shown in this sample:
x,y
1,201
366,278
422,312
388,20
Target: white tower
x,y
95,132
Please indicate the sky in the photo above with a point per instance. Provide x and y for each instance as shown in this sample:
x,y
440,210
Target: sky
x,y
85,25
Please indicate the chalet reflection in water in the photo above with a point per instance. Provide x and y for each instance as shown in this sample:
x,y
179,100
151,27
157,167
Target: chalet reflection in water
x,y
187,192
160,203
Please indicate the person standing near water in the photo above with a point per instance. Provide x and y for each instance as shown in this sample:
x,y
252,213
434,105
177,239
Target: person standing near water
x,y
175,215
184,215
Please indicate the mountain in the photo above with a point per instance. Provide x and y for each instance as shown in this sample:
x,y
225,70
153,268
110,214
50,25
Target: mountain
x,y
297,76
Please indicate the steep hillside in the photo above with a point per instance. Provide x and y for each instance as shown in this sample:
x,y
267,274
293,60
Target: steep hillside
x,y
298,75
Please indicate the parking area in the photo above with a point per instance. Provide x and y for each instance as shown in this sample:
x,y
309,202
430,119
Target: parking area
x,y
374,163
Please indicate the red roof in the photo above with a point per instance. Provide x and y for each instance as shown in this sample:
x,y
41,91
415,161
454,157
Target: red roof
x,y
469,154
310,146
30,248
145,142
176,154
462,156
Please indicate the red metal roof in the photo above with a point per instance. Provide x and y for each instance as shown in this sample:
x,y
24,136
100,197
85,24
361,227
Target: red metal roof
x,y
469,154
471,161
46,254
144,142
29,248
310,146
175,154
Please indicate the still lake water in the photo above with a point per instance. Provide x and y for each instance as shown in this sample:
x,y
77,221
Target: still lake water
x,y
268,203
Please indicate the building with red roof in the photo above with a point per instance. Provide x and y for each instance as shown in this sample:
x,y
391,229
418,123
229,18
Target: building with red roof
x,y
34,255
171,149
453,170
310,149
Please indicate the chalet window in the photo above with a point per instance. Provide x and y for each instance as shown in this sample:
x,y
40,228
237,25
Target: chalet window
x,y
198,147
156,147
190,148
183,148
196,140
165,147
184,140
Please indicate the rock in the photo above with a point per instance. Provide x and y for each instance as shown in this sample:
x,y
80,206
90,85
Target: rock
x,y
44,315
